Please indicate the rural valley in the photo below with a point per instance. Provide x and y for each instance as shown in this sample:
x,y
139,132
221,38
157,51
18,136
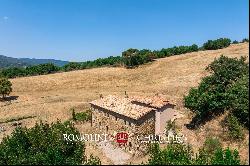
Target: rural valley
x,y
52,97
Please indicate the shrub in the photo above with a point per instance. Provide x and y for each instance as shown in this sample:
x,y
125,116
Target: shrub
x,y
245,40
225,157
235,130
181,154
72,66
211,145
5,87
235,42
211,97
43,145
171,126
174,154
216,44
93,161
238,97
206,152
81,116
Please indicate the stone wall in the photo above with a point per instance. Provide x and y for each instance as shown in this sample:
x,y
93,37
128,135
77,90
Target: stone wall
x,y
105,121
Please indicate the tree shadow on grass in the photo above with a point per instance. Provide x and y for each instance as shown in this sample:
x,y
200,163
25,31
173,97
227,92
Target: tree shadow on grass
x,y
9,98
200,120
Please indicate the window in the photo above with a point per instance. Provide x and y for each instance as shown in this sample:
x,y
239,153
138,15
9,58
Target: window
x,y
107,128
125,121
129,123
116,118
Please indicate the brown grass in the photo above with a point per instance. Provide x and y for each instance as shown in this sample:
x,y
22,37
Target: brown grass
x,y
50,97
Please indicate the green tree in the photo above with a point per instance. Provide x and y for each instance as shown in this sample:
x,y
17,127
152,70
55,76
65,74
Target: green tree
x,y
211,153
211,97
238,97
216,44
245,40
235,130
44,144
225,157
5,87
235,42
174,154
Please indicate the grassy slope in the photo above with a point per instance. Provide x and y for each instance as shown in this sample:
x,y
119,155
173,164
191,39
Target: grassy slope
x,y
51,96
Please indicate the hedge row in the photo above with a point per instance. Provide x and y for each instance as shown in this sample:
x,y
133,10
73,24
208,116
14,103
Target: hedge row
x,y
130,58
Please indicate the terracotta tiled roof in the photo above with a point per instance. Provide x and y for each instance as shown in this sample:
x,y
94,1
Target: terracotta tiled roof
x,y
128,107
156,101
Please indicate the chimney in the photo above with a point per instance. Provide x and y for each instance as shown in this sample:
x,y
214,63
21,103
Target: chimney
x,y
126,95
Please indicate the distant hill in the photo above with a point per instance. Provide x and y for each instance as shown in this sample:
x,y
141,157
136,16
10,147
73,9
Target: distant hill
x,y
34,61
11,62
6,62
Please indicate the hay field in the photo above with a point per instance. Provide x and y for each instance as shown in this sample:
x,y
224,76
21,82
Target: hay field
x,y
50,97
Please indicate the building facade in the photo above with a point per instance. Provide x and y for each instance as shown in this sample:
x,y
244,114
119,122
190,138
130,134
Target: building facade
x,y
136,116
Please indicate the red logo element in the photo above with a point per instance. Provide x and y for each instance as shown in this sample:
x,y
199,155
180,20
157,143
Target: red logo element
x,y
121,138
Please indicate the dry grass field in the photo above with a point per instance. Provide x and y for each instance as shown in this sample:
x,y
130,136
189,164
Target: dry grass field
x,y
50,97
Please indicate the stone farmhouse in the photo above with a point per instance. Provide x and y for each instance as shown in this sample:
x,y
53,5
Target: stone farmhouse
x,y
134,115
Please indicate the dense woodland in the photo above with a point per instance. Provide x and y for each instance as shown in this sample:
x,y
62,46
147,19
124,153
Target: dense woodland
x,y
130,58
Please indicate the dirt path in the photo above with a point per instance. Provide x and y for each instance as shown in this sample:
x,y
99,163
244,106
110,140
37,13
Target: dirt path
x,y
115,154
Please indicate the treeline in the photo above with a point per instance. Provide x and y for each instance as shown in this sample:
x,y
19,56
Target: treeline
x,y
110,61
41,69
129,59
134,57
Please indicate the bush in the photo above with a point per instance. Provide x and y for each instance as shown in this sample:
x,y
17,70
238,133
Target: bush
x,y
211,145
174,154
72,66
171,126
225,157
238,97
235,130
211,96
5,87
235,42
43,145
81,116
245,40
181,154
216,44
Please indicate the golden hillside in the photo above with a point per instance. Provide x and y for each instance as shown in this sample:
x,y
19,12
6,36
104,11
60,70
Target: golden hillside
x,y
51,96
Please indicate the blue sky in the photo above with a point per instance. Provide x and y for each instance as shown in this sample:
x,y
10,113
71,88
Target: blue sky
x,y
79,30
